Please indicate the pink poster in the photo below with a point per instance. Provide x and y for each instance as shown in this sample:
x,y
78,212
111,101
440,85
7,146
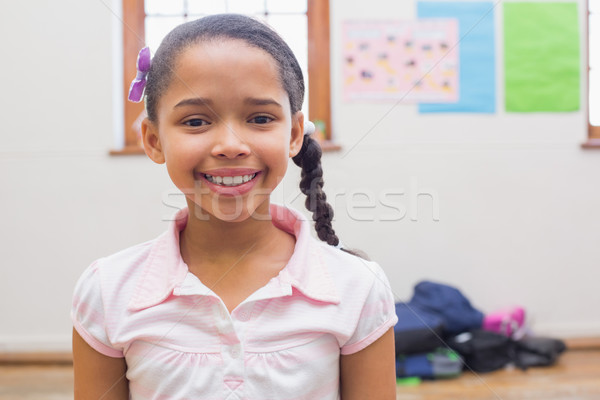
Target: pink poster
x,y
407,61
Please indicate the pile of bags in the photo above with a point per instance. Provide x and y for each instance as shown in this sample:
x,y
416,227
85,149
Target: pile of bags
x,y
439,334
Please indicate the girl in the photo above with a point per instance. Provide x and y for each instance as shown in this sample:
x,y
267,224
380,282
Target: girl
x,y
236,300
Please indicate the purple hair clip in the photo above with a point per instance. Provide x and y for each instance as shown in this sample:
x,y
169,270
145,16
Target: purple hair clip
x,y
136,90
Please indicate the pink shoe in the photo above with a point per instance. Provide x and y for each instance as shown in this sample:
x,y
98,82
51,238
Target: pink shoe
x,y
507,321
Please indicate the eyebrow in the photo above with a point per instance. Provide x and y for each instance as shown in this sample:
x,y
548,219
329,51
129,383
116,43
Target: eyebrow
x,y
196,101
202,101
255,101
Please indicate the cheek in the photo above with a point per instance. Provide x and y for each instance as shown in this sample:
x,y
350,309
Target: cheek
x,y
181,161
273,151
279,166
183,149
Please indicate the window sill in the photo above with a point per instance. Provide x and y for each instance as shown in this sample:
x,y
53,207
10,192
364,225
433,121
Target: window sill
x,y
329,146
128,151
592,143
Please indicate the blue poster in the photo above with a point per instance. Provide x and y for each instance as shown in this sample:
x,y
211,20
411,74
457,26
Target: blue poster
x,y
477,58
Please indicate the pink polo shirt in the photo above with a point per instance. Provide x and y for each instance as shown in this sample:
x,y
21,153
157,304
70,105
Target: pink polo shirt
x,y
283,342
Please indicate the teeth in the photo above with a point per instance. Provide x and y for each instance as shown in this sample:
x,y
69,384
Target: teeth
x,y
230,180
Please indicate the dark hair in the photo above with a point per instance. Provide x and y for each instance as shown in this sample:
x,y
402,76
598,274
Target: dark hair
x,y
257,34
223,26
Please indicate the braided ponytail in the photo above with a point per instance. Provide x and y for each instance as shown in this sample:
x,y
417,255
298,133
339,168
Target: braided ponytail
x,y
311,184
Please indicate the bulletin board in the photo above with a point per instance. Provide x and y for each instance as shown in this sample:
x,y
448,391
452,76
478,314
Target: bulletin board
x,y
477,54
401,61
541,57
445,60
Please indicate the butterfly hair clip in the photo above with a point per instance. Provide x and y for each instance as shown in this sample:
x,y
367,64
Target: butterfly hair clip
x,y
138,85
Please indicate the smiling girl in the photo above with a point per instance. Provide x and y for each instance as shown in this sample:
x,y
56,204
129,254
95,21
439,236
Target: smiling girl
x,y
236,300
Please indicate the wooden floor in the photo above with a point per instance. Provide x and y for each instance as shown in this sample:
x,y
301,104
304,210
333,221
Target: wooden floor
x,y
575,377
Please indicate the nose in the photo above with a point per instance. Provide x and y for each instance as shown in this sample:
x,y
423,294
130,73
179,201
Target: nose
x,y
229,143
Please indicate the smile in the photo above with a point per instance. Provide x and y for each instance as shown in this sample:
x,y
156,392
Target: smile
x,y
229,180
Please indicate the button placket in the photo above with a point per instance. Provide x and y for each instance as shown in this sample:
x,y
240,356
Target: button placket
x,y
241,319
231,347
223,321
234,366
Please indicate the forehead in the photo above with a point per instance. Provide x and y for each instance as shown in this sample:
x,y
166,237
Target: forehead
x,y
228,46
230,62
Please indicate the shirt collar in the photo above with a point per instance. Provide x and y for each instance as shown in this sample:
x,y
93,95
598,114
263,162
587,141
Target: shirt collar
x,y
306,271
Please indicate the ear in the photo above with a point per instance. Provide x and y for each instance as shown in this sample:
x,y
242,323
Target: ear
x,y
151,141
297,136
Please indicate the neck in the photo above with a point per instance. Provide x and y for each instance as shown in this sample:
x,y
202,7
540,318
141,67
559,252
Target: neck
x,y
223,242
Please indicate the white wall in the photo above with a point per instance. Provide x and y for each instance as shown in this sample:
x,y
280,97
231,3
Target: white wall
x,y
516,196
516,193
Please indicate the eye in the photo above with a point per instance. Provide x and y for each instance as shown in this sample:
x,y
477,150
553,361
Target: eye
x,y
261,119
195,122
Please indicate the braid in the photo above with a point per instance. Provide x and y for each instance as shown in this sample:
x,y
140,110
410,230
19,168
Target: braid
x,y
311,184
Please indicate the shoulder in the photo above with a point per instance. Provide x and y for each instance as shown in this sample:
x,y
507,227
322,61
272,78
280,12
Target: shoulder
x,y
116,273
346,266
366,299
353,276
126,260
102,293
124,264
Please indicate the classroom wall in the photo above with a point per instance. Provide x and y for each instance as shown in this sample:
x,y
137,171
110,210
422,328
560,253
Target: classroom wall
x,y
516,195
501,206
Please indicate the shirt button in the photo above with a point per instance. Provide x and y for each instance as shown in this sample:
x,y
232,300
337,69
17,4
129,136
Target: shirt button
x,y
235,351
244,315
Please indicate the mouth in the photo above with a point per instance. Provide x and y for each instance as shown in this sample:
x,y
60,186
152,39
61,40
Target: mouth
x,y
229,181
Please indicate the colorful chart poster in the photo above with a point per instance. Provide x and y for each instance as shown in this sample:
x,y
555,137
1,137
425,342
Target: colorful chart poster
x,y
541,56
401,61
477,59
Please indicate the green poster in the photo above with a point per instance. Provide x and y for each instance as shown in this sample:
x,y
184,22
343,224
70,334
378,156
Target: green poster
x,y
541,56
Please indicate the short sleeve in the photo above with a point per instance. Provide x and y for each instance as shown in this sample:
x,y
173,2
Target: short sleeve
x,y
378,314
88,314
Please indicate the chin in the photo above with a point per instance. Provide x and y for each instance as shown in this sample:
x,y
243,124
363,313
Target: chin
x,y
236,210
231,216
227,214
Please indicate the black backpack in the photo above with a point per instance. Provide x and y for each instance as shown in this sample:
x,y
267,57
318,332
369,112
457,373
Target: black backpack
x,y
485,351
538,351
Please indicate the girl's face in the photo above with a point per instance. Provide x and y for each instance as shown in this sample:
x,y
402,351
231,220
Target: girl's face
x,y
225,129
